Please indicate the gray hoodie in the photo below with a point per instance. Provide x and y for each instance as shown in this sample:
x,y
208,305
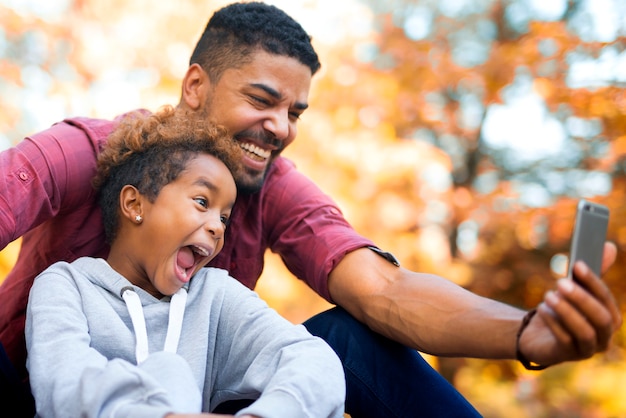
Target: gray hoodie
x,y
93,352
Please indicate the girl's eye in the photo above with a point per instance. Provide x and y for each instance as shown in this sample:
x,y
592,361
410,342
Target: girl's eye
x,y
225,220
202,202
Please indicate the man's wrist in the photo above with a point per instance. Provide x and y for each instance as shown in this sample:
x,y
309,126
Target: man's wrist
x,y
518,351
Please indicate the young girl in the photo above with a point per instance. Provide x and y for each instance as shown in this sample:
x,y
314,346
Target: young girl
x,y
150,332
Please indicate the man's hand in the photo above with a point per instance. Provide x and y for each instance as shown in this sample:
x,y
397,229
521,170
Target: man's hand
x,y
576,320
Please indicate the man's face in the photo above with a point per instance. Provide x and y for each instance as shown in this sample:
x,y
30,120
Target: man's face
x,y
260,103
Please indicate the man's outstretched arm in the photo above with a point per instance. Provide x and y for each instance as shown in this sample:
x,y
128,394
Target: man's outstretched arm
x,y
436,316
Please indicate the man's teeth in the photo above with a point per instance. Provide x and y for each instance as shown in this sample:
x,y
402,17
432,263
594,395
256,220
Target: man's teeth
x,y
202,252
258,151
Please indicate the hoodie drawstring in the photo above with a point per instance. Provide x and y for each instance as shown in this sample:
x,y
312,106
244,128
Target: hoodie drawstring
x,y
175,321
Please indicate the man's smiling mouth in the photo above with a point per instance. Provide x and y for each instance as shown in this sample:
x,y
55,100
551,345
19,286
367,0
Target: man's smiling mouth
x,y
255,152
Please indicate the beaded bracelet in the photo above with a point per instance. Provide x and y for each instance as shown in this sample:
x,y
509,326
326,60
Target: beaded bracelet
x,y
518,352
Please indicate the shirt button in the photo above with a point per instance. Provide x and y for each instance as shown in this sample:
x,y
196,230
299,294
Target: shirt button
x,y
23,175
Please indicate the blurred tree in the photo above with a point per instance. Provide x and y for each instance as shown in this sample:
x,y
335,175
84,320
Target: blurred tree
x,y
526,100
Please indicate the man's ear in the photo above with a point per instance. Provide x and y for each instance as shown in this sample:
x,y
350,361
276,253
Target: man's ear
x,y
131,203
195,86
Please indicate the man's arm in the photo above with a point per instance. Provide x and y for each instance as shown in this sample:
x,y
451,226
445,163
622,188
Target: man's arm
x,y
436,316
44,174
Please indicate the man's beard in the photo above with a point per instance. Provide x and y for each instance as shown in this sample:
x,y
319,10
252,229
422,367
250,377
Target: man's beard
x,y
247,181
251,182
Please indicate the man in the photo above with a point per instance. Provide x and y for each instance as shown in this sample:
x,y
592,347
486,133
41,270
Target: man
x,y
251,72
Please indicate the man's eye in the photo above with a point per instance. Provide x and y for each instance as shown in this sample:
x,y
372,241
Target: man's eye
x,y
260,100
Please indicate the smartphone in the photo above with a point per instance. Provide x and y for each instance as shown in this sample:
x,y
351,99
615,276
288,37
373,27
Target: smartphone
x,y
590,226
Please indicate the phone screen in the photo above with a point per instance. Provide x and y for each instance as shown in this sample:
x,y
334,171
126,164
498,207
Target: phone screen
x,y
589,236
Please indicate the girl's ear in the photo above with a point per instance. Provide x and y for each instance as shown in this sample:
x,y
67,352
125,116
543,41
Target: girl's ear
x,y
195,86
131,203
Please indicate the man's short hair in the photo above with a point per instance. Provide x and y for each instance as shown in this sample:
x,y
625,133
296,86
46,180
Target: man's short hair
x,y
238,30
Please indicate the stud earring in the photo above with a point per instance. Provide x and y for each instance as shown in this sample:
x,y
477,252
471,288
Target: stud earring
x,y
138,219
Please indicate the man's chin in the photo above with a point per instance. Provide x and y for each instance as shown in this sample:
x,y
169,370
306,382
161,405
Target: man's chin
x,y
250,184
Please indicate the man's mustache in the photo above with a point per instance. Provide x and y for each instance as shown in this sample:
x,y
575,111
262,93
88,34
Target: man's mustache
x,y
262,137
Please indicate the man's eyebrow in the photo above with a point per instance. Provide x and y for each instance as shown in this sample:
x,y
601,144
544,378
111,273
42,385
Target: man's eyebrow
x,y
276,95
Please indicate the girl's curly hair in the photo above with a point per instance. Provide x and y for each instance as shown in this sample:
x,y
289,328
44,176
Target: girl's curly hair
x,y
150,151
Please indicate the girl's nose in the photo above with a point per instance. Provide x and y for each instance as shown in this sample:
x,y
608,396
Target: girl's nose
x,y
215,226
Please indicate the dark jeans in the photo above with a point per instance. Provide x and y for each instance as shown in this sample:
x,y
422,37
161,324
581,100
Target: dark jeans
x,y
14,394
384,378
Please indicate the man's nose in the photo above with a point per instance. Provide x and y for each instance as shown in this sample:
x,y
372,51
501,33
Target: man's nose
x,y
278,124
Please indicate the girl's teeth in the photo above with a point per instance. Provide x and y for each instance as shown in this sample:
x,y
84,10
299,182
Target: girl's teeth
x,y
200,251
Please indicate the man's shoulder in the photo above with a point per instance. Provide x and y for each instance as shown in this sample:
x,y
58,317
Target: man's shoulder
x,y
97,129
281,171
284,176
91,126
282,165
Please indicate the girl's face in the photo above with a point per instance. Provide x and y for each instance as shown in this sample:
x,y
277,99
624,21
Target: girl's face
x,y
182,230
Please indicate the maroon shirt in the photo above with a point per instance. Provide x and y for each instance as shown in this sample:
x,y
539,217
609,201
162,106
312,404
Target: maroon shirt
x,y
46,197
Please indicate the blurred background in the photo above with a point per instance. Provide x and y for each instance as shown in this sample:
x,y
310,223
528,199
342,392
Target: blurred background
x,y
457,134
